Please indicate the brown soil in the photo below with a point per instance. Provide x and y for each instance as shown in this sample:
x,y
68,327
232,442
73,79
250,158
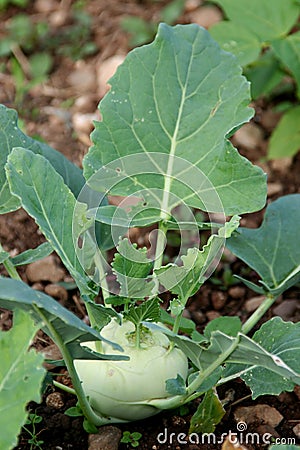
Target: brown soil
x,y
41,110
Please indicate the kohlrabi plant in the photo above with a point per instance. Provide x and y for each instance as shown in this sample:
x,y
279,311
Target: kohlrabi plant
x,y
163,151
265,37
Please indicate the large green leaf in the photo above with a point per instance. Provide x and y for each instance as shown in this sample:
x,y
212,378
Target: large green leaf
x,y
235,38
288,51
285,139
270,375
11,136
272,250
165,122
21,376
264,19
50,202
58,321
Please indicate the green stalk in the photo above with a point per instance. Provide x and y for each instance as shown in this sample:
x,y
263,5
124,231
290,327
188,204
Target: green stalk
x,y
258,313
159,251
90,415
10,268
103,281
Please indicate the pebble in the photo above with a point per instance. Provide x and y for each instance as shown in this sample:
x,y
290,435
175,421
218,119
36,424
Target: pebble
x,y
229,445
55,400
218,299
45,6
83,78
53,353
211,315
83,122
198,317
296,430
267,429
191,5
274,189
282,165
206,16
249,136
286,308
84,103
107,438
57,291
262,413
253,303
237,292
44,270
105,71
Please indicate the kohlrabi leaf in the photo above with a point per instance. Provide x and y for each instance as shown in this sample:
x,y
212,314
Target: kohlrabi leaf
x,y
132,268
163,137
147,311
11,136
58,321
176,386
246,357
253,23
285,139
4,256
270,250
21,376
32,255
282,340
228,325
186,280
100,315
45,196
284,447
235,38
288,51
209,413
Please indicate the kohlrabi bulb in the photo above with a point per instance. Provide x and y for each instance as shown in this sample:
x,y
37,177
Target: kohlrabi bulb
x,y
121,389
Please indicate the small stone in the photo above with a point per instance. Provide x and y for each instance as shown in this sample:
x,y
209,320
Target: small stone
x,y
211,315
107,438
296,430
37,286
59,18
206,16
56,291
106,70
84,104
83,122
186,313
44,270
191,5
267,430
281,164
45,6
55,400
286,308
237,292
198,317
249,136
274,189
52,353
253,303
83,78
258,413
218,299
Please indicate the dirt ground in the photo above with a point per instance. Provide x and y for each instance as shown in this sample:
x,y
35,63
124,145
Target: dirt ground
x,y
60,111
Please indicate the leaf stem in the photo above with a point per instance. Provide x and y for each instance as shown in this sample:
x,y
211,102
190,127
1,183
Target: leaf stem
x,y
90,415
160,244
260,311
10,268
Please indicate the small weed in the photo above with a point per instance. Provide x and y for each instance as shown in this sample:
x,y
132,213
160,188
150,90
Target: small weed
x,y
131,438
31,421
